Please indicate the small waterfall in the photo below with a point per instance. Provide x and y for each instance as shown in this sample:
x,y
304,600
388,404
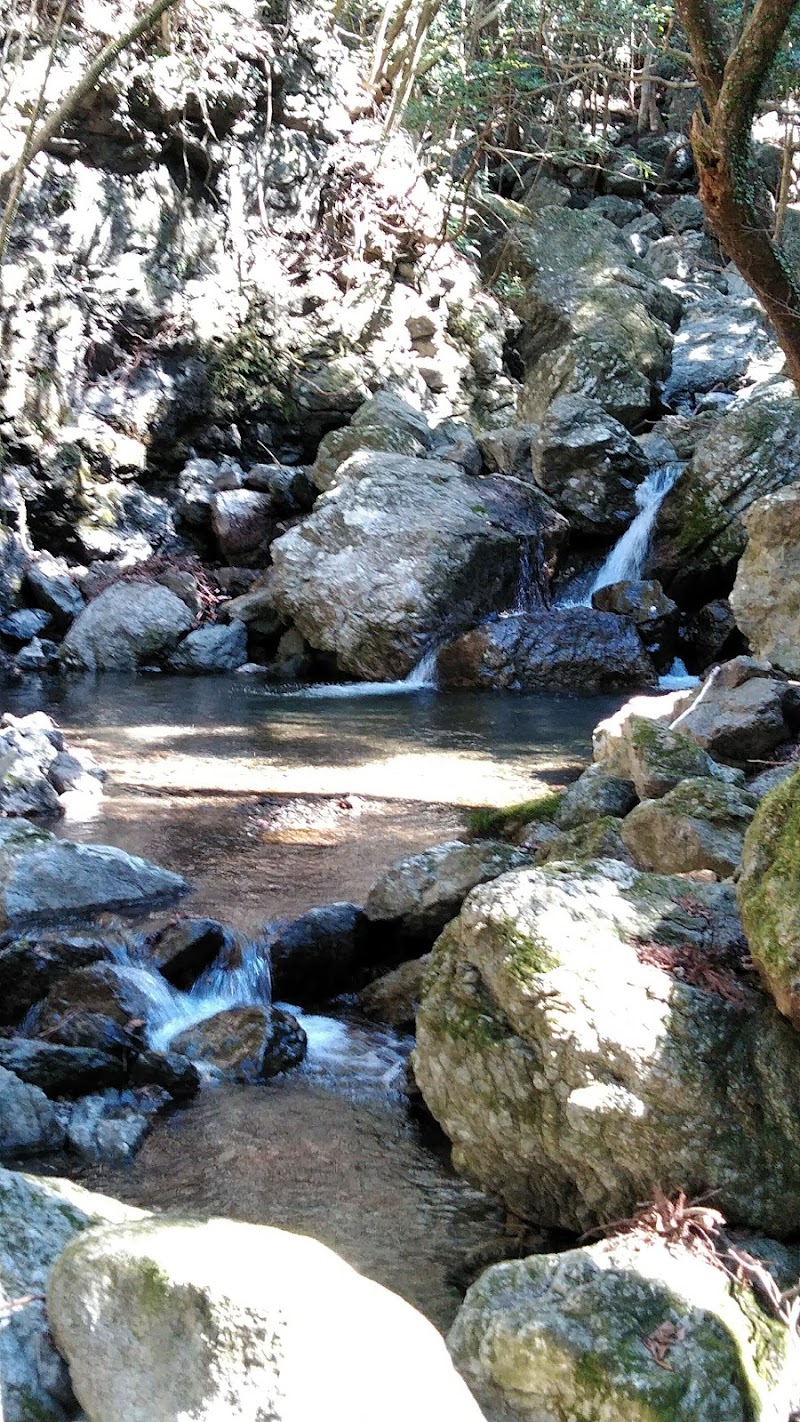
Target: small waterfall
x,y
423,674
627,558
528,595
422,677
243,980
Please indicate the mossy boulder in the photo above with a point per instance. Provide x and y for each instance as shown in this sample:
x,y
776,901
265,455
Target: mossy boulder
x,y
595,794
653,756
586,1031
632,1327
769,894
597,839
765,597
699,825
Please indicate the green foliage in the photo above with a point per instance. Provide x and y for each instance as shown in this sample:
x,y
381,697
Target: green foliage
x,y
499,824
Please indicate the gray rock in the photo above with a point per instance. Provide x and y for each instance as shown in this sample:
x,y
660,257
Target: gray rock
x,y
49,586
574,1050
589,465
718,344
45,877
653,756
768,895
111,1125
24,625
32,964
631,1327
417,896
508,450
388,437
685,214
623,174
221,1318
28,1123
242,522
398,550
644,601
595,794
740,722
455,443
131,624
319,954
764,598
245,1043
24,787
38,1217
709,636
596,839
565,649
182,951
700,824
619,210
217,648
771,779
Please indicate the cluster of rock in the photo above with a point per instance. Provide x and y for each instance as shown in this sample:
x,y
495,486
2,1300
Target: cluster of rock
x,y
39,775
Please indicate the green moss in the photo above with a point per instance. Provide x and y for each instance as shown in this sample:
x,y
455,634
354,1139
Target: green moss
x,y
526,955
504,824
249,373
769,889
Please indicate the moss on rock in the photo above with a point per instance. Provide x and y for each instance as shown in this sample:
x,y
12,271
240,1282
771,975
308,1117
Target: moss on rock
x,y
769,894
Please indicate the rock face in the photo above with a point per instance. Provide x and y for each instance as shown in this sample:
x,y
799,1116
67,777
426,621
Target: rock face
x,y
223,1319
566,649
38,1217
398,550
765,597
573,1048
750,451
768,894
605,336
589,465
127,626
578,1335
43,877
28,1123
417,896
699,825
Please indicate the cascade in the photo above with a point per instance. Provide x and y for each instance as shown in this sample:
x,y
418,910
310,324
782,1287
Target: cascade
x,y
627,558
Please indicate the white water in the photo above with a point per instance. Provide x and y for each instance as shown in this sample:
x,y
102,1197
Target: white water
x,y
422,677
677,678
627,558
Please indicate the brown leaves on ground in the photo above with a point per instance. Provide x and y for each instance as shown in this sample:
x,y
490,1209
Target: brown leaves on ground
x,y
699,967
661,1340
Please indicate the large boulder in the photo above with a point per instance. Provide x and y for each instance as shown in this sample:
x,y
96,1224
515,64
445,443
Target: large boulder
x,y
589,465
384,424
42,877
32,964
655,615
29,1124
586,1031
652,755
38,1217
319,954
741,713
699,825
765,597
114,991
165,1320
128,625
564,649
217,648
594,321
414,899
398,551
635,1327
750,451
58,1070
769,894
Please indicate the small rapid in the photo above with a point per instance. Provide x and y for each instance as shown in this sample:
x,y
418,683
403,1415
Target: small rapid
x,y
627,559
422,677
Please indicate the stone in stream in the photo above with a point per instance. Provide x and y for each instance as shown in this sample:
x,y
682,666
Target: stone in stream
x,y
130,624
38,1217
183,949
563,649
44,877
58,1070
28,1122
31,965
415,897
111,1125
655,615
632,1327
320,954
111,990
588,1030
167,1319
394,997
399,550
245,1043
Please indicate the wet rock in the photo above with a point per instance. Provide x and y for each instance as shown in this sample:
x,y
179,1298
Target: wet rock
x,y
565,649
739,722
699,825
750,451
111,1125
38,655
177,1076
394,997
286,1044
106,989
211,649
256,610
398,550
92,1029
184,949
576,1334
59,1070
595,794
768,895
763,600
30,966
38,1217
644,601
127,626
49,586
235,1041
242,523
264,1303
417,896
28,1123
574,1050
44,877
320,954
76,770
23,626
589,465
653,756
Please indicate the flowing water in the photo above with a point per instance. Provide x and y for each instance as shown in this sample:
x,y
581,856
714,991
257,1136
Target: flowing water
x,y
269,803
627,560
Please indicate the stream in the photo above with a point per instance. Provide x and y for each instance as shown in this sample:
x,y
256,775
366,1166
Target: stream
x,y
271,803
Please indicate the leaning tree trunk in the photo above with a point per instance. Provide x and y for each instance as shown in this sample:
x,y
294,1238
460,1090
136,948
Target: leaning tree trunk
x,y
729,182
